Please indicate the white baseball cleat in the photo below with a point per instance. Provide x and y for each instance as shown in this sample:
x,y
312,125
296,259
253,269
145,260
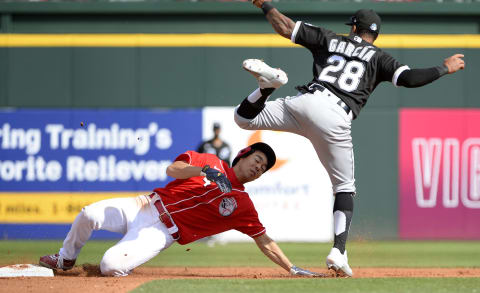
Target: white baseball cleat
x,y
339,262
266,76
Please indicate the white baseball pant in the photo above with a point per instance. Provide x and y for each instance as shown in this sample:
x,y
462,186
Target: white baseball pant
x,y
319,118
135,217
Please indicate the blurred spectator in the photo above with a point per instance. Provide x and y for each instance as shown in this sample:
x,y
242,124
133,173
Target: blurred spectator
x,y
222,150
216,145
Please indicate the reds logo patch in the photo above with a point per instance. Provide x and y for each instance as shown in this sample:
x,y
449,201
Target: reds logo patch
x,y
227,206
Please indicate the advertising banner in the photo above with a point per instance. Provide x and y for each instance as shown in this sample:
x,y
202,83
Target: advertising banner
x,y
55,161
92,150
439,174
294,199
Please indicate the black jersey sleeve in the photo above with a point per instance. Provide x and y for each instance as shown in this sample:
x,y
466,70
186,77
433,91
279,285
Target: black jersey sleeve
x,y
309,36
389,68
420,77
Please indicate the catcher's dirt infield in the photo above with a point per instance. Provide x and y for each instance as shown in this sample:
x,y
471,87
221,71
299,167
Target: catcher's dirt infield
x,y
88,279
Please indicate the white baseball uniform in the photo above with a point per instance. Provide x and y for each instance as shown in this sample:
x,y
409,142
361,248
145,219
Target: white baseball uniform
x,y
136,218
317,117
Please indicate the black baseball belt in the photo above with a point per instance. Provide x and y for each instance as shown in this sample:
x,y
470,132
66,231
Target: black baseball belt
x,y
165,217
313,87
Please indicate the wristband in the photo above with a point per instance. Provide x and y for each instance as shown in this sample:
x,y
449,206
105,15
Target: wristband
x,y
442,70
202,172
266,7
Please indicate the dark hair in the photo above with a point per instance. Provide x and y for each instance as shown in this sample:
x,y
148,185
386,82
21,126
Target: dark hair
x,y
368,33
259,146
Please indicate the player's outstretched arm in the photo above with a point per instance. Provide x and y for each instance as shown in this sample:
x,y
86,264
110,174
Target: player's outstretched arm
x,y
281,24
419,77
183,170
273,252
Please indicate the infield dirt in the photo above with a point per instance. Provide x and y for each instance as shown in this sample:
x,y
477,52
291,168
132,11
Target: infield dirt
x,y
87,278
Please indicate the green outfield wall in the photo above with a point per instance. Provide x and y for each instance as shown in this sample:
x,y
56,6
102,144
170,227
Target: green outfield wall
x,y
52,56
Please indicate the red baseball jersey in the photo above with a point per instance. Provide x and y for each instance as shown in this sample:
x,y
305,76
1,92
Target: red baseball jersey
x,y
200,209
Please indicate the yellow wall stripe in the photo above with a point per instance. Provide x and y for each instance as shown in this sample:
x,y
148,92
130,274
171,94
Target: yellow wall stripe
x,y
50,207
218,40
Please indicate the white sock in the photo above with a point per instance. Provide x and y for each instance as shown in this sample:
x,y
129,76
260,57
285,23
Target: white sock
x,y
253,97
340,222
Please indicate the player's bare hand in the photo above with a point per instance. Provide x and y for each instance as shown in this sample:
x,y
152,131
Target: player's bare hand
x,y
258,3
454,63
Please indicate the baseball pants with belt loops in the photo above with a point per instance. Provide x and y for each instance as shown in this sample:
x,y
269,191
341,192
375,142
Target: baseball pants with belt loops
x,y
318,117
144,235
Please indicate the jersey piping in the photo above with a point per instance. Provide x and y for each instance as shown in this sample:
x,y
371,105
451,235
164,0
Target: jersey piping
x,y
253,235
295,30
195,196
198,213
192,207
397,74
348,66
198,204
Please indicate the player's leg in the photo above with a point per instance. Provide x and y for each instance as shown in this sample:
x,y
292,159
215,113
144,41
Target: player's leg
x,y
255,113
342,217
254,103
274,116
338,161
110,214
333,144
268,79
139,245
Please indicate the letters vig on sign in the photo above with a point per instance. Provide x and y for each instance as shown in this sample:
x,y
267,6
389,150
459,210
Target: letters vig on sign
x,y
439,175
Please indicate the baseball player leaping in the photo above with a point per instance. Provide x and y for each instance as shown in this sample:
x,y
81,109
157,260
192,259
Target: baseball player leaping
x,y
346,70
206,198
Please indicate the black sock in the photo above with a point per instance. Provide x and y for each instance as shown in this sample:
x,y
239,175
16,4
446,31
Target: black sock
x,y
343,212
251,110
267,92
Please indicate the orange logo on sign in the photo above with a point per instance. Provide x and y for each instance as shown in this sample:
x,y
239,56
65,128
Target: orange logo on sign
x,y
257,137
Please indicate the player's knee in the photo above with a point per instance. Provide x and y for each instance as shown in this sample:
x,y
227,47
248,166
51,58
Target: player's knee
x,y
90,217
242,122
110,266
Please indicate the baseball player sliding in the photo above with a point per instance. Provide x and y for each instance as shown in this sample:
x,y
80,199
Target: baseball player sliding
x,y
206,198
346,70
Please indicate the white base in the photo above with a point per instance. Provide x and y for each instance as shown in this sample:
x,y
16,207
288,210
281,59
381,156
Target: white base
x,y
25,270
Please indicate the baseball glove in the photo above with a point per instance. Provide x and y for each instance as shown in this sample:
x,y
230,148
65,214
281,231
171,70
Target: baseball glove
x,y
218,177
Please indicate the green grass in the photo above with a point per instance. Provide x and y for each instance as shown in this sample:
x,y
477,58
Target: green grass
x,y
361,254
400,285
